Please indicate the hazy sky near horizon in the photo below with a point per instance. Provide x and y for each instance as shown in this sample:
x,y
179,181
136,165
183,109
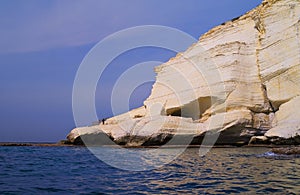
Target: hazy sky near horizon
x,y
42,43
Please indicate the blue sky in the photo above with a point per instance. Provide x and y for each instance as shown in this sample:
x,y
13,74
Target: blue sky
x,y
42,43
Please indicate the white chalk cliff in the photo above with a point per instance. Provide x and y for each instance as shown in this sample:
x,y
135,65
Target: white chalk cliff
x,y
241,79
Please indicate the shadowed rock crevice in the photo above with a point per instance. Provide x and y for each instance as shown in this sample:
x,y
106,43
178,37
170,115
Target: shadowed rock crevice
x,y
158,140
99,139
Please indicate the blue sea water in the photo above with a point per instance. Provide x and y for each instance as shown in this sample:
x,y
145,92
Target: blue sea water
x,y
75,170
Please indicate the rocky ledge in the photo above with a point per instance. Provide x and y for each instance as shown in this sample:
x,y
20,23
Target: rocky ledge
x,y
287,151
240,81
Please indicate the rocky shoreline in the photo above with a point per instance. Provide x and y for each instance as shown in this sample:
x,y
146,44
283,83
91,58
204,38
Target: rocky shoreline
x,y
276,149
66,143
287,150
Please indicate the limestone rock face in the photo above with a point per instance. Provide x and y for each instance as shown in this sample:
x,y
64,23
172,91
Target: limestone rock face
x,y
287,121
240,80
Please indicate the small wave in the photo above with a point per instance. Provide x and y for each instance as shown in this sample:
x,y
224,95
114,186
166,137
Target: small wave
x,y
277,156
268,154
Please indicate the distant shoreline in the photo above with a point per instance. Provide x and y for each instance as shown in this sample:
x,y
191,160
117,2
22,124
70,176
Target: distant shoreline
x,y
43,144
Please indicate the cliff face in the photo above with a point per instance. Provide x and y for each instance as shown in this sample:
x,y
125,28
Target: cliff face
x,y
241,79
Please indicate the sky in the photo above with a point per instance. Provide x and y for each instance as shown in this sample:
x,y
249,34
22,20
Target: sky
x,y
43,42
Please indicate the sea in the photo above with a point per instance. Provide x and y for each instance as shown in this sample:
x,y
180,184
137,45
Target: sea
x,y
76,170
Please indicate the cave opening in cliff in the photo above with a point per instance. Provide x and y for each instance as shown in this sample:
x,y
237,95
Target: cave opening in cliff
x,y
205,103
194,109
174,111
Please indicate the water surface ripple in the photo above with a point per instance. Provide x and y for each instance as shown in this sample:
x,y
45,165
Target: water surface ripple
x,y
69,170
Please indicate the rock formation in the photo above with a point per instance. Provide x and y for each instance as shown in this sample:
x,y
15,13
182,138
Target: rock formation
x,y
241,80
287,151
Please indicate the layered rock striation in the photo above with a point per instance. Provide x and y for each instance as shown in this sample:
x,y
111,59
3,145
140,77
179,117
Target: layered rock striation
x,y
240,81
